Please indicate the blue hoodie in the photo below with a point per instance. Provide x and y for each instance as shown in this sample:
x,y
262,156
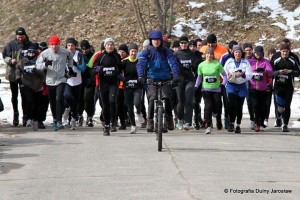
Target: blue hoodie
x,y
159,62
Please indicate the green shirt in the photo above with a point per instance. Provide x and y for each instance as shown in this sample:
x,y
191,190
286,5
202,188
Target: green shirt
x,y
210,72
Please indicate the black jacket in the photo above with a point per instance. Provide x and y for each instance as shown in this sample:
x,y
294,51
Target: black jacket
x,y
110,69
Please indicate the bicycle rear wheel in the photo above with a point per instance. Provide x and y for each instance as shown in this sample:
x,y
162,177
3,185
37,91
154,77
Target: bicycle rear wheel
x,y
159,127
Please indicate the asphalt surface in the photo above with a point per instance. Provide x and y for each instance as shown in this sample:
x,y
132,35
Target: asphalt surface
x,y
84,164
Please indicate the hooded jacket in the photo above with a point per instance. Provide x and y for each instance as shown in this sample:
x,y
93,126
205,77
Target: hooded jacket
x,y
158,62
262,70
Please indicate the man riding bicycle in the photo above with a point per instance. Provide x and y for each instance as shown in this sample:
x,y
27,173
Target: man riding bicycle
x,y
158,62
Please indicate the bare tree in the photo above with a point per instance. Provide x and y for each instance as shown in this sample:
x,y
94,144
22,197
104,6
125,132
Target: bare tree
x,y
140,20
165,18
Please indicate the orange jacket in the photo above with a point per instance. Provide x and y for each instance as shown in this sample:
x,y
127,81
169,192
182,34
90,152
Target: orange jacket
x,y
219,51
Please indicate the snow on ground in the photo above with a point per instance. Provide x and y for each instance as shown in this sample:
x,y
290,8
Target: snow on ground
x,y
292,20
276,11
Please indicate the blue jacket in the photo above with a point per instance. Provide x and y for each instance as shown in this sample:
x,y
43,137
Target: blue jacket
x,y
157,62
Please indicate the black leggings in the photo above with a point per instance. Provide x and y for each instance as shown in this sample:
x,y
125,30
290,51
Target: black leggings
x,y
287,95
268,104
56,99
212,104
259,105
72,96
185,96
109,98
87,101
121,106
235,108
197,102
133,97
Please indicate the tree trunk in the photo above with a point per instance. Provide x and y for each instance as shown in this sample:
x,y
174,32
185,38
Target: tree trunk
x,y
171,19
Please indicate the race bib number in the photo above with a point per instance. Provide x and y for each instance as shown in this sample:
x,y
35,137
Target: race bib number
x,y
109,71
186,63
28,68
132,84
211,79
257,76
283,78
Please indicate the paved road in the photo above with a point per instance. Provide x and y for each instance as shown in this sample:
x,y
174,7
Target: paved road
x,y
83,164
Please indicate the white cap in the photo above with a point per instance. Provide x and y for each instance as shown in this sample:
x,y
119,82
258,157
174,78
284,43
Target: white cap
x,y
146,43
108,40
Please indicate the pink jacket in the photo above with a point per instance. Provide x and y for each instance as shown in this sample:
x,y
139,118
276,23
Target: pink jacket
x,y
262,71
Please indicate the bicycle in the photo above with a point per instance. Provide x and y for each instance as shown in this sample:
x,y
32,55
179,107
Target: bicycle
x,y
159,110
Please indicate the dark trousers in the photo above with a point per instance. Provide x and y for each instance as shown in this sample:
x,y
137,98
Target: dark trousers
x,y
235,108
259,104
185,96
87,101
287,95
121,106
72,96
268,104
133,98
56,99
143,107
212,104
33,104
14,87
197,107
225,101
152,93
44,104
109,98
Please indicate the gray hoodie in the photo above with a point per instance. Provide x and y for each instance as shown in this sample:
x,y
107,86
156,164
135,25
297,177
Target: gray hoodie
x,y
60,60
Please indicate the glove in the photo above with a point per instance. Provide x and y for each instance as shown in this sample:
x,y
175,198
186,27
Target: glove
x,y
48,63
177,79
141,80
121,78
98,69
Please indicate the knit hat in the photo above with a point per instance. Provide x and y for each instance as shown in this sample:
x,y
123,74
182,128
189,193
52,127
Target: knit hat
x,y
102,47
183,38
237,48
71,41
54,40
123,47
193,42
43,46
209,50
31,49
284,46
146,43
175,44
20,31
259,50
247,45
108,40
133,46
232,43
211,38
84,44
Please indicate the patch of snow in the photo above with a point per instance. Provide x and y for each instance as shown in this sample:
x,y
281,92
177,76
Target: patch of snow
x,y
224,17
193,4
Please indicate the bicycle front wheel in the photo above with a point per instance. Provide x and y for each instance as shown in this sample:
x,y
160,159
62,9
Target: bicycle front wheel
x,y
159,127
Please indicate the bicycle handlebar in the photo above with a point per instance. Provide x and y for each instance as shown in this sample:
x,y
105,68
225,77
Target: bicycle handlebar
x,y
159,82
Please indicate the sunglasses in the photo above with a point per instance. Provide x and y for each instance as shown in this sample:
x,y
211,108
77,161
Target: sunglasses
x,y
183,42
